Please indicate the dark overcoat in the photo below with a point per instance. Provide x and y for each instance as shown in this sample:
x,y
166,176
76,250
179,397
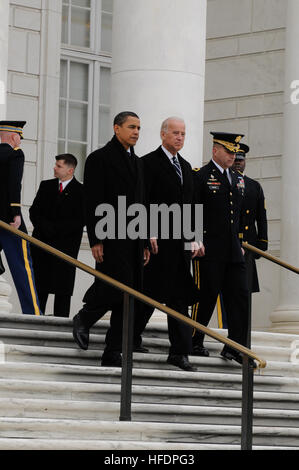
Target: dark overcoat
x,y
254,220
11,174
58,220
111,173
221,213
168,274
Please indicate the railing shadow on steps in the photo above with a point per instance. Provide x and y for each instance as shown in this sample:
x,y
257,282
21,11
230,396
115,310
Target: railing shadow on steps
x,y
127,344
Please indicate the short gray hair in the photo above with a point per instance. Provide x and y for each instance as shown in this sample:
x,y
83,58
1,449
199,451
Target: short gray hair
x,y
165,123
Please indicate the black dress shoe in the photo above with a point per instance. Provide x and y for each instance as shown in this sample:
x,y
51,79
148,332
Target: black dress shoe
x,y
200,351
140,349
230,355
180,361
235,356
80,333
111,360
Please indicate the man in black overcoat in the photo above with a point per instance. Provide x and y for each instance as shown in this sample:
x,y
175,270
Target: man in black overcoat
x,y
222,269
16,250
112,172
167,277
58,218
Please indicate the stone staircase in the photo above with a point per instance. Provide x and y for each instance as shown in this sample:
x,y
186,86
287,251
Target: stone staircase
x,y
55,396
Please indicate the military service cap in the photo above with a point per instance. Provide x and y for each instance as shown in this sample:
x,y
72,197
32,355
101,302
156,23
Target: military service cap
x,y
241,153
228,140
12,126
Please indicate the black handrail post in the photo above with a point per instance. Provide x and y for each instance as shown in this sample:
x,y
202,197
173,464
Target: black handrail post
x,y
127,358
249,268
247,404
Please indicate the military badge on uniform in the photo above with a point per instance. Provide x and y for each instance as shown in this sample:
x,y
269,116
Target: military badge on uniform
x,y
241,184
213,183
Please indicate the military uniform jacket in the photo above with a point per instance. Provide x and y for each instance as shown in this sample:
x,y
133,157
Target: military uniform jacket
x,y
221,213
254,215
58,220
11,173
110,173
167,275
254,220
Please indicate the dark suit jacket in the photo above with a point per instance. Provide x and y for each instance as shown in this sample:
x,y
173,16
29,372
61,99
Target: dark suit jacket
x,y
110,173
221,213
11,173
167,276
58,220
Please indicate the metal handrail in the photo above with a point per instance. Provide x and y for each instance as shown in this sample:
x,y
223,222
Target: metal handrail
x,y
285,265
127,349
136,294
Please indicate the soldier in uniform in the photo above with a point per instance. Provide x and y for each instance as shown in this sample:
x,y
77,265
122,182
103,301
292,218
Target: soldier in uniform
x,y
255,226
16,250
254,215
222,269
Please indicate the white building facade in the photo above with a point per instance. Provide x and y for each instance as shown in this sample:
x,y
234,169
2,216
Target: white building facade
x,y
68,66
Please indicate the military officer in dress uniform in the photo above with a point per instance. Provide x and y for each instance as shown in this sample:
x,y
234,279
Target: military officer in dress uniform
x,y
222,269
254,214
255,226
16,250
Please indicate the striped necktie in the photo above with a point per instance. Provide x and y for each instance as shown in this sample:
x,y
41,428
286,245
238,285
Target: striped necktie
x,y
177,167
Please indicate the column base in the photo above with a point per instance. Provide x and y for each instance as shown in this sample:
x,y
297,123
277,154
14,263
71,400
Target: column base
x,y
5,292
285,319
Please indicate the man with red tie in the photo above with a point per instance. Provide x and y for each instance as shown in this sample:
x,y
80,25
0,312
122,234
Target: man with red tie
x,y
58,217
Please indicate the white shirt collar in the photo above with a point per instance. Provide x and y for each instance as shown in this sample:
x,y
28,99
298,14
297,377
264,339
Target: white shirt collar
x,y
223,170
169,154
65,183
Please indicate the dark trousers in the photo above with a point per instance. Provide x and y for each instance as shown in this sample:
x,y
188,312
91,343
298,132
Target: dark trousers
x,y
180,335
62,303
90,314
231,280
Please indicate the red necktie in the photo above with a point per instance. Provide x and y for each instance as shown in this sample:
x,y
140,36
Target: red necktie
x,y
60,187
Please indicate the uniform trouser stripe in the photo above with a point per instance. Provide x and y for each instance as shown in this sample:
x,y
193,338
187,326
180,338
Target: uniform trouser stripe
x,y
219,312
197,283
30,278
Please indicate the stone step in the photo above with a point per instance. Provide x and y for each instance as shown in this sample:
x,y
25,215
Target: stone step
x,y
124,445
60,355
131,431
92,357
57,332
63,339
110,392
156,330
109,411
154,377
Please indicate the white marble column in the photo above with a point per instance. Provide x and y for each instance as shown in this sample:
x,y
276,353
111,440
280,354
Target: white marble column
x,y
158,66
286,316
4,20
5,289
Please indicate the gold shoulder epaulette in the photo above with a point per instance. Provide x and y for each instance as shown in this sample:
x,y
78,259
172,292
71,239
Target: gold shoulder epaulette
x,y
196,169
